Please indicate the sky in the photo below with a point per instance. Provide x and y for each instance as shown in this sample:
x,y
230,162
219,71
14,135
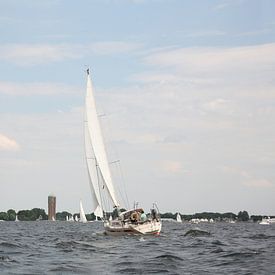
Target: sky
x,y
185,92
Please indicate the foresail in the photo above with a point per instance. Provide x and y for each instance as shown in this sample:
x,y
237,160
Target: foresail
x,y
92,173
82,213
97,144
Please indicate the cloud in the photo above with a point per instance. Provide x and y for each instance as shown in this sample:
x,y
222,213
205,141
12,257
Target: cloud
x,y
203,33
35,54
227,4
172,166
219,105
26,89
261,183
215,59
8,144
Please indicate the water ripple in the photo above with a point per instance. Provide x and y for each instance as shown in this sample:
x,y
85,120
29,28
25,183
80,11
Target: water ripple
x,y
74,248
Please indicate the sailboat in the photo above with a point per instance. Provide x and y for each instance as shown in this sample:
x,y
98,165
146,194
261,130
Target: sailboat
x,y
178,217
16,218
82,213
133,221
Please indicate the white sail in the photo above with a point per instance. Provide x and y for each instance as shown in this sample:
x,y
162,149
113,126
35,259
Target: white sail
x,y
179,218
97,144
92,173
82,213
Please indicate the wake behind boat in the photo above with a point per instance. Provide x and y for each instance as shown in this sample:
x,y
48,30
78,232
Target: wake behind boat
x,y
133,221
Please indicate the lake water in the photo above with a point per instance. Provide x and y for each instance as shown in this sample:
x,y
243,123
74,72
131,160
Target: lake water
x,y
63,247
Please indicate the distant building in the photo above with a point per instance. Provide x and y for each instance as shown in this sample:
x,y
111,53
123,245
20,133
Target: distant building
x,y
51,208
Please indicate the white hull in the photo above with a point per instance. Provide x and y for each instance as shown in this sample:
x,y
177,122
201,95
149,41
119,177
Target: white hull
x,y
267,221
117,228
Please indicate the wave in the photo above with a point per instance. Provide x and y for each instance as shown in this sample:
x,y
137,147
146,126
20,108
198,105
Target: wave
x,y
5,258
169,257
8,244
239,255
197,233
261,236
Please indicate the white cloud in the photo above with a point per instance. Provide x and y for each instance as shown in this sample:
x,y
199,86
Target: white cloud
x,y
26,89
35,54
220,105
214,59
260,183
203,33
172,166
8,144
227,4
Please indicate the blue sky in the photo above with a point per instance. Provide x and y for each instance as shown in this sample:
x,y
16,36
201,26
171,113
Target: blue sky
x,y
187,87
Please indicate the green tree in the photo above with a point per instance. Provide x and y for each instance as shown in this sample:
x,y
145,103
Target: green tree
x,y
61,216
38,213
11,215
4,216
243,216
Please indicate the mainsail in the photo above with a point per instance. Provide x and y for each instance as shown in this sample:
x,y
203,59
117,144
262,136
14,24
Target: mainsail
x,y
96,157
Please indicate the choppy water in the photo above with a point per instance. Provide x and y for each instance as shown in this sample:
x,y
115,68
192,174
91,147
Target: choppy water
x,y
64,247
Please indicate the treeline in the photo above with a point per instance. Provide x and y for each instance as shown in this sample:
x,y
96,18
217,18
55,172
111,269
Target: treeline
x,y
40,214
24,215
241,216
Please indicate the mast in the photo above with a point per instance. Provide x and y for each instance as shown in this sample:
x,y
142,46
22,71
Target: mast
x,y
94,138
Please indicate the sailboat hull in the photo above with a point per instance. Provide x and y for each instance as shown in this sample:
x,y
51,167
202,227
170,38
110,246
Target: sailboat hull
x,y
118,228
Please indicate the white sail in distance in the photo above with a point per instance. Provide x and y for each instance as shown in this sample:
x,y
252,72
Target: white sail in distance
x,y
82,213
97,143
179,218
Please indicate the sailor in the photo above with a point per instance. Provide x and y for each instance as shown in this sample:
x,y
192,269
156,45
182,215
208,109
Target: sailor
x,y
143,216
154,214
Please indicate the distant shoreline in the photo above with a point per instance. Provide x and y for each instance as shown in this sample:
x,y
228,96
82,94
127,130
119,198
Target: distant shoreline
x,y
40,214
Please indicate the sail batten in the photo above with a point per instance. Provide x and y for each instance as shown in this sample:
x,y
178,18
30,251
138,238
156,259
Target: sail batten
x,y
94,140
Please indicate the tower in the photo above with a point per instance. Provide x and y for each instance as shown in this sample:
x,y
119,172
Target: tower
x,y
51,207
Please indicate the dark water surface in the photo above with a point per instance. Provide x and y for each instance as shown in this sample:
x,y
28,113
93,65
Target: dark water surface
x,y
63,247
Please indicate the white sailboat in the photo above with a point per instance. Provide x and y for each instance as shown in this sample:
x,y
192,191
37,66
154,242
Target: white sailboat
x,y
178,217
16,218
133,221
82,213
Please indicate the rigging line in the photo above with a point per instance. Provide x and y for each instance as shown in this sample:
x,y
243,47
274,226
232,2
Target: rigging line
x,y
124,185
115,161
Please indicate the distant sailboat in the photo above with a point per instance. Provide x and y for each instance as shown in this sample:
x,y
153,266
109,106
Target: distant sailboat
x,y
82,213
40,218
101,183
179,218
16,218
76,218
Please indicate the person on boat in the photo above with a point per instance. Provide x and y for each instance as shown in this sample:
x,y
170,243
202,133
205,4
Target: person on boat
x,y
134,217
154,214
143,216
